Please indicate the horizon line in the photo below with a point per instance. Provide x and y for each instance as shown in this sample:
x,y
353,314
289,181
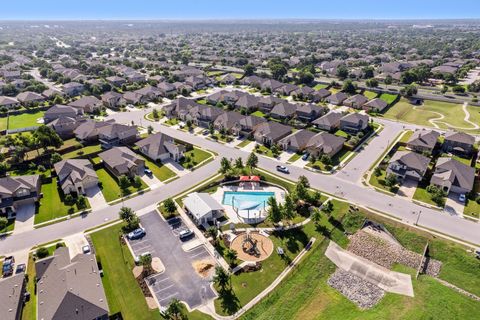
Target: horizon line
x,y
236,19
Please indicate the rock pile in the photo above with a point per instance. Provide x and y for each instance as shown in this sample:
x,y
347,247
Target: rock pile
x,y
387,253
361,292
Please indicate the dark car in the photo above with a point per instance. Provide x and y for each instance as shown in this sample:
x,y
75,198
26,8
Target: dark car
x,y
283,169
8,265
305,157
21,268
136,234
147,171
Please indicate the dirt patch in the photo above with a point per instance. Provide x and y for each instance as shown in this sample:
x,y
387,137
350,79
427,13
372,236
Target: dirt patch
x,y
203,267
242,244
152,304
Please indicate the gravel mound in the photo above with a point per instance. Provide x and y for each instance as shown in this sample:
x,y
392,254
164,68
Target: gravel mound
x,y
364,294
387,253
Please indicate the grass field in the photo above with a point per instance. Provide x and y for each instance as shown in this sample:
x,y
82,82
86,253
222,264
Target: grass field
x,y
30,309
110,188
427,113
244,143
196,156
320,86
305,294
421,194
24,120
370,94
388,98
52,204
82,152
472,208
3,123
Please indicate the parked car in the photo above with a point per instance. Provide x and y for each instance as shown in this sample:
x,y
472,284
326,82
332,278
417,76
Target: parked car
x,y
185,234
86,249
283,169
462,198
8,265
136,234
20,268
137,258
205,132
305,157
147,171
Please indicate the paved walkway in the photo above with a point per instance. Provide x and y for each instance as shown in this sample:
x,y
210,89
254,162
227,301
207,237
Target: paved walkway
x,y
25,218
176,167
95,198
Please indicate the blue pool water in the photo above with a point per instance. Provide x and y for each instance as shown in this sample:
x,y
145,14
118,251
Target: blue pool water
x,y
248,200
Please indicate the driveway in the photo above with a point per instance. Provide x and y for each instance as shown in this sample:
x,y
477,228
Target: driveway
x,y
179,280
453,206
25,218
176,167
75,243
407,188
151,181
95,198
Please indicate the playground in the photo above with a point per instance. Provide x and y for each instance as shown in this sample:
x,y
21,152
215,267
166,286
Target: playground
x,y
252,246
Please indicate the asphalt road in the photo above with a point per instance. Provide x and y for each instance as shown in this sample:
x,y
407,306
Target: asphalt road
x,y
340,186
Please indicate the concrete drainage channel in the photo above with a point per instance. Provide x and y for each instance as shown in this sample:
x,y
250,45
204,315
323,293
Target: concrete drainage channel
x,y
188,266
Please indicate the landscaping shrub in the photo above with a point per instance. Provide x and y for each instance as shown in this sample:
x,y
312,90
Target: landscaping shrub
x,y
41,252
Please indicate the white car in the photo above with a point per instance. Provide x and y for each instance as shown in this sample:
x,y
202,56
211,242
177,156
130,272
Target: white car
x,y
86,249
185,234
462,198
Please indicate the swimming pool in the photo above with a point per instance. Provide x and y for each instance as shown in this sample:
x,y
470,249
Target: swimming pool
x,y
248,200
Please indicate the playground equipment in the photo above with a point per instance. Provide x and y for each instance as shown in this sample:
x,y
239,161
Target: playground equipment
x,y
249,245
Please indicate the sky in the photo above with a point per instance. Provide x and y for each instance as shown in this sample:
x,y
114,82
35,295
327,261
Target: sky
x,y
238,9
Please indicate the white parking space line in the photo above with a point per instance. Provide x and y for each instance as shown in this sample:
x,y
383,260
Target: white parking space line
x,y
196,255
168,287
139,241
169,297
158,281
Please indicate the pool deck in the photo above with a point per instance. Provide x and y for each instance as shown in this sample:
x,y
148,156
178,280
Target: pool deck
x,y
231,214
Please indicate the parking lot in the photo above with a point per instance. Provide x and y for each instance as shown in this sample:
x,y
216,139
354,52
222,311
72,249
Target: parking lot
x,y
180,280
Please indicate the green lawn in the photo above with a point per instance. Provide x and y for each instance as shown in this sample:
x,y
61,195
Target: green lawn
x,y
264,150
110,188
9,227
294,158
123,293
453,113
379,181
388,98
421,194
320,86
244,143
171,122
406,136
202,101
3,123
370,94
24,120
195,156
30,309
258,113
341,133
83,152
305,294
472,208
52,204
161,171
336,160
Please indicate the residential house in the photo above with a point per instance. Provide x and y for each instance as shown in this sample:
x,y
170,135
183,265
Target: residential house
x,y
167,89
52,93
18,191
116,134
116,81
136,77
354,122
407,164
202,115
151,93
227,121
303,92
65,126
286,89
266,103
453,176
423,141
271,85
375,105
12,291
228,79
320,95
88,130
29,98
458,142
134,98
73,88
161,147
247,125
203,208
87,104
69,288
325,143
59,111
113,100
356,101
337,98
9,102
248,102
179,107
75,175
309,112
121,161
283,110
328,122
269,133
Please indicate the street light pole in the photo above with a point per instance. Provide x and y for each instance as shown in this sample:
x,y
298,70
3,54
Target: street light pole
x,y
418,217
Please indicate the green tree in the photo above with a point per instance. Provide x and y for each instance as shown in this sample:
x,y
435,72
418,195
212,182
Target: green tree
x,y
175,311
252,161
316,216
47,137
409,90
390,180
41,252
225,165
239,163
3,223
349,87
231,256
81,202
221,278
249,69
123,182
371,83
55,157
213,233
150,129
169,205
274,211
289,208
342,72
388,80
146,263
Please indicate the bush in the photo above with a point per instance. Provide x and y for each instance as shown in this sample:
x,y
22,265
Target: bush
x,y
59,245
41,252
